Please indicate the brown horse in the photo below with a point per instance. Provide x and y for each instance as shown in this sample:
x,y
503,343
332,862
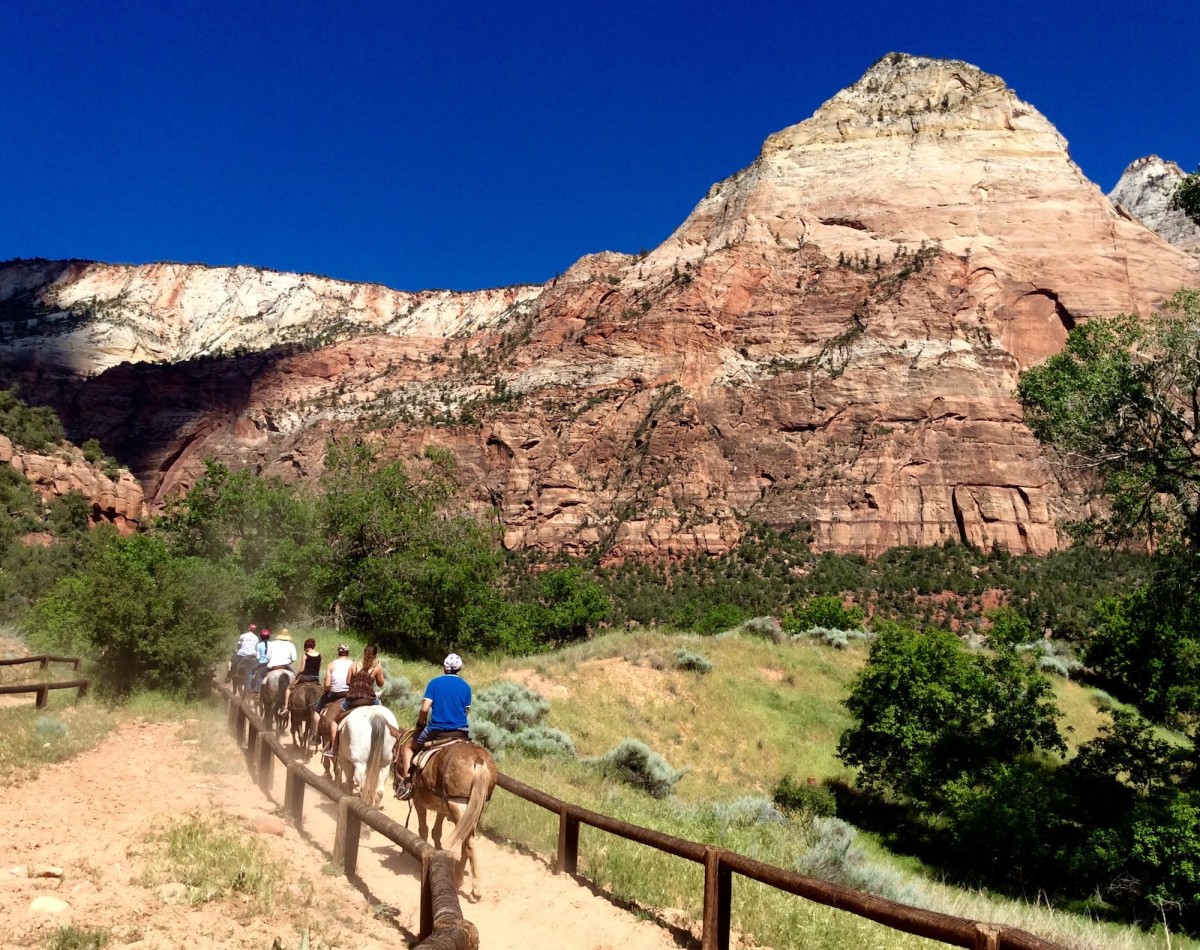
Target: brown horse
x,y
270,698
303,702
455,783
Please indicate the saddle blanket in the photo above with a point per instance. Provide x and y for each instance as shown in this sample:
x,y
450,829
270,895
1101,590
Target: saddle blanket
x,y
433,748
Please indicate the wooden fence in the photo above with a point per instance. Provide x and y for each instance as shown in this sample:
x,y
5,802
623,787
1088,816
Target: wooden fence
x,y
43,689
44,660
442,926
721,864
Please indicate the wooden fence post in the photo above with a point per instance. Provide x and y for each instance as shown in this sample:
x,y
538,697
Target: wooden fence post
x,y
568,842
43,662
294,797
83,689
345,844
986,938
42,694
718,892
426,897
266,762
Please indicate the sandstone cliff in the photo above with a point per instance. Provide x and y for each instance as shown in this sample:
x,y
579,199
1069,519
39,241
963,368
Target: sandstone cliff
x,y
116,497
831,338
1144,194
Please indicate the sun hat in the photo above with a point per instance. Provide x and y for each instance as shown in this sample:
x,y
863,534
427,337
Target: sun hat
x,y
283,634
452,663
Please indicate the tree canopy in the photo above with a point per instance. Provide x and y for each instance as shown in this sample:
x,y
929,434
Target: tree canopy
x,y
1122,400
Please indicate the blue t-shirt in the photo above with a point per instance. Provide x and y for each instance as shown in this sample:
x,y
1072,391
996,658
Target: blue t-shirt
x,y
451,695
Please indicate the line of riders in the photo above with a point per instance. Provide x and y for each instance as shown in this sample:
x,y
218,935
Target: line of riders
x,y
350,684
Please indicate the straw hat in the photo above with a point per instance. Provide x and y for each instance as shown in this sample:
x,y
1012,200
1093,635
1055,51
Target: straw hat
x,y
283,635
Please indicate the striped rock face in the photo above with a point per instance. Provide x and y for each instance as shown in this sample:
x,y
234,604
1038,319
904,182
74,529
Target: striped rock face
x,y
832,338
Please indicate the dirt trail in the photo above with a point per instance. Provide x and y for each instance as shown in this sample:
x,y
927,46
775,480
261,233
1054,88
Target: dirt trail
x,y
91,817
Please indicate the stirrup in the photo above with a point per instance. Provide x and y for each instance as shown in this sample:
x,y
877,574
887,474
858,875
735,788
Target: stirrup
x,y
405,791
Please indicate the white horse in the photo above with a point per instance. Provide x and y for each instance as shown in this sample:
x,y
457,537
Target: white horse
x,y
365,746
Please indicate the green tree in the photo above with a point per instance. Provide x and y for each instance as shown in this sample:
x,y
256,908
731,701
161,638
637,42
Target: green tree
x,y
1122,401
1187,196
150,619
572,602
930,715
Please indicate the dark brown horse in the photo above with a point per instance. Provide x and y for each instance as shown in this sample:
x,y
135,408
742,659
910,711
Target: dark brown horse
x,y
456,783
301,707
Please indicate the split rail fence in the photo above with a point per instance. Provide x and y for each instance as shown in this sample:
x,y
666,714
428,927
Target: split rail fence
x,y
442,925
43,689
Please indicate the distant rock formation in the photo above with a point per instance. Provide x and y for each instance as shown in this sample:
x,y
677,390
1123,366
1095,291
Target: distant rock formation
x,y
831,339
115,500
1144,194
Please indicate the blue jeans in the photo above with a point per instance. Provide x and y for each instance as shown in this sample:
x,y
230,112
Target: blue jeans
x,y
256,677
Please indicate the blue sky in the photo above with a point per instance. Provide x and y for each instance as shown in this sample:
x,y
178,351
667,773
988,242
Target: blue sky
x,y
465,145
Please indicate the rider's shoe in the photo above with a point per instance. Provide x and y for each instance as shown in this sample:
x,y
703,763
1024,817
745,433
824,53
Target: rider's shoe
x,y
404,791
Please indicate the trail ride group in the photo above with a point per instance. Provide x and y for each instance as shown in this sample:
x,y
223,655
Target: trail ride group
x,y
435,765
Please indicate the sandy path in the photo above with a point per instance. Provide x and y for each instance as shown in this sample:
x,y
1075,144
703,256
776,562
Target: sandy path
x,y
91,816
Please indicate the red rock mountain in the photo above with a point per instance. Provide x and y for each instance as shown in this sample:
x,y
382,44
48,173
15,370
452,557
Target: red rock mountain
x,y
831,338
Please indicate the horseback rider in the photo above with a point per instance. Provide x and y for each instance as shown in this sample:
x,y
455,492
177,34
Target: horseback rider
x,y
364,677
309,673
254,684
281,652
246,645
337,683
443,710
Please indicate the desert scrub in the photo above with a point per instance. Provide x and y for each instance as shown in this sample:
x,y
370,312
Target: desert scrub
x,y
636,764
694,662
508,717
79,938
34,738
216,859
809,799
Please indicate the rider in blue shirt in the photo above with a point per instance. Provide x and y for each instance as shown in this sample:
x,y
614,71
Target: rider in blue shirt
x,y
443,710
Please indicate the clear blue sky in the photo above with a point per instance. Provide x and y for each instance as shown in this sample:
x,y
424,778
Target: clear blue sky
x,y
465,144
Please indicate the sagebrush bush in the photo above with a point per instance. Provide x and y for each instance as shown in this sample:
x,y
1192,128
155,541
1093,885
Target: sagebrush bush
x,y
511,706
746,811
542,741
637,764
1054,657
488,735
767,627
837,638
695,662
397,691
811,799
834,856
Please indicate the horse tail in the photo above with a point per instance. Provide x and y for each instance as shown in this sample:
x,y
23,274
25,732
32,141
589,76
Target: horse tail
x,y
370,784
465,827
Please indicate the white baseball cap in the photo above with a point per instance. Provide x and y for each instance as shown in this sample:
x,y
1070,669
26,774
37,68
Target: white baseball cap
x,y
452,663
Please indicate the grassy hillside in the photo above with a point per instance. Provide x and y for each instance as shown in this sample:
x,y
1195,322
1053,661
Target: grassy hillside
x,y
764,711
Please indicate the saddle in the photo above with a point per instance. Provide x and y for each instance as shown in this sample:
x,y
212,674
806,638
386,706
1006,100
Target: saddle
x,y
434,746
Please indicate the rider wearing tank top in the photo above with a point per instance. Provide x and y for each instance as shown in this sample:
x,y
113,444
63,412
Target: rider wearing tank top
x,y
337,678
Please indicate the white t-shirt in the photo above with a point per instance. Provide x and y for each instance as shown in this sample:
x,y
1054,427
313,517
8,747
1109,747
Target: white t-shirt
x,y
281,653
247,643
339,674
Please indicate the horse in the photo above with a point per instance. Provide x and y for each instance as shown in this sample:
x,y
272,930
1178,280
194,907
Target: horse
x,y
456,782
239,672
304,700
270,698
365,745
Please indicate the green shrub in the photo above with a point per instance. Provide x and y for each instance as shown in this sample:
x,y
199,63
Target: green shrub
x,y
79,938
720,617
36,428
767,627
541,742
510,706
488,735
746,811
826,611
694,662
810,798
636,764
835,856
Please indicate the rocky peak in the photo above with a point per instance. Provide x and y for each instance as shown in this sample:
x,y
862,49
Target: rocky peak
x,y
1144,194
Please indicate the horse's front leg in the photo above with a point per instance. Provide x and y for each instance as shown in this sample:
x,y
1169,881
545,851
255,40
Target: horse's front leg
x,y
437,831
422,823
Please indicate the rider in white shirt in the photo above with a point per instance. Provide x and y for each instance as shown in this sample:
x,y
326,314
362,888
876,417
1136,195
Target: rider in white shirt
x,y
281,652
248,641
